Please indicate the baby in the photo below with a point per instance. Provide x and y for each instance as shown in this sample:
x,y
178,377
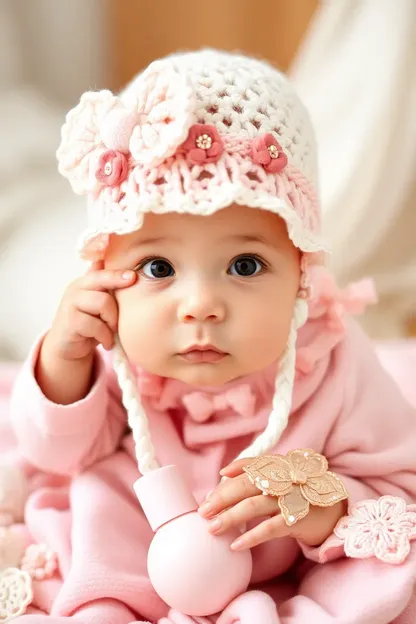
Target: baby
x,y
207,283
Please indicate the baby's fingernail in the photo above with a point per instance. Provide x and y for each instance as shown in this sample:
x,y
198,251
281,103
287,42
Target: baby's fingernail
x,y
205,509
215,525
127,275
237,544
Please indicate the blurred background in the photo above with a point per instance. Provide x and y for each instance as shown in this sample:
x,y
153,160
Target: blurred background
x,y
352,61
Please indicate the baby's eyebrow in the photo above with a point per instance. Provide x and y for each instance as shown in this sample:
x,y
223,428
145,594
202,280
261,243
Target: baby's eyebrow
x,y
249,238
150,241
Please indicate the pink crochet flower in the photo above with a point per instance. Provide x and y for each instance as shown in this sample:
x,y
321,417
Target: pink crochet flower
x,y
15,593
203,145
112,168
266,151
39,561
380,528
150,125
81,143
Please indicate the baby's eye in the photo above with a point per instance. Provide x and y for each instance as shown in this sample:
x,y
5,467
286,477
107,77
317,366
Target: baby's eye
x,y
157,268
246,266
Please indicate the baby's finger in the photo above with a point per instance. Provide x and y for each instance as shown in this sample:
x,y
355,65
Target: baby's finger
x,y
248,509
263,532
98,303
228,493
236,467
98,265
87,326
107,280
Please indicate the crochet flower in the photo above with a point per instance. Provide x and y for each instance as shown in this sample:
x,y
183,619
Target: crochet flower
x,y
203,145
81,144
268,153
149,123
380,528
15,593
112,168
165,103
39,561
298,479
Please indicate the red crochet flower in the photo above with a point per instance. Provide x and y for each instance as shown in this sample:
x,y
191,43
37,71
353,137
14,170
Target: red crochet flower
x,y
203,145
266,151
112,168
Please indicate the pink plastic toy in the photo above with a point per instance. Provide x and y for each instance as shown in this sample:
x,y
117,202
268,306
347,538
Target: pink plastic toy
x,y
191,570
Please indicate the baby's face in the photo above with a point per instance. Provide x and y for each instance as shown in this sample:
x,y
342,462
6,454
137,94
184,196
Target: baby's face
x,y
226,283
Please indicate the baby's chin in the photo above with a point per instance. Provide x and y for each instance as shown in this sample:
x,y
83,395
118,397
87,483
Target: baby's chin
x,y
208,374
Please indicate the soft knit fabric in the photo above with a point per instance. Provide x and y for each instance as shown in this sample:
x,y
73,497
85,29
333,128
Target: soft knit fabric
x,y
346,408
193,133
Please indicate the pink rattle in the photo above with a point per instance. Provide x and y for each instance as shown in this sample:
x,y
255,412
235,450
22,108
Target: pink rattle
x,y
192,570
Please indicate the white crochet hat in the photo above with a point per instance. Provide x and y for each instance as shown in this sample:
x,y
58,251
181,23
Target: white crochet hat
x,y
194,133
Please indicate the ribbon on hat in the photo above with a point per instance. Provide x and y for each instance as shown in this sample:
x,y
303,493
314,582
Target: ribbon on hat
x,y
202,405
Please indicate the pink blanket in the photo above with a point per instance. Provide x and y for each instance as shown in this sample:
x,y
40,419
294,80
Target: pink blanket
x,y
398,358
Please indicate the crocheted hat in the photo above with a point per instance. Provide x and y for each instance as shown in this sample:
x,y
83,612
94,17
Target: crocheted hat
x,y
194,133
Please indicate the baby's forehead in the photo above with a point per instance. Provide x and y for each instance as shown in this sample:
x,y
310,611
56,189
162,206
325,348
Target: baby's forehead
x,y
232,224
232,219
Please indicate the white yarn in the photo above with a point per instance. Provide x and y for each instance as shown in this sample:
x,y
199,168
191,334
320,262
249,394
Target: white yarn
x,y
282,399
136,416
242,99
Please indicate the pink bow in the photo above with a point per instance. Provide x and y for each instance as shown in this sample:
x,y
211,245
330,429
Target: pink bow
x,y
201,405
328,298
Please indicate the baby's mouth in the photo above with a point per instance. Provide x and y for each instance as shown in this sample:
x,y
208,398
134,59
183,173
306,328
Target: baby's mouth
x,y
201,354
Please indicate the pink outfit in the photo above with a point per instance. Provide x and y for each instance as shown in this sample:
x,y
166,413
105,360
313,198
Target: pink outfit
x,y
345,407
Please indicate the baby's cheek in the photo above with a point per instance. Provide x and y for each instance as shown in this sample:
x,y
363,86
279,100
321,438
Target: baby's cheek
x,y
140,329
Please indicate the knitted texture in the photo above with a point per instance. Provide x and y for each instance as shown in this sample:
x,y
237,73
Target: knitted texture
x,y
381,528
136,415
194,133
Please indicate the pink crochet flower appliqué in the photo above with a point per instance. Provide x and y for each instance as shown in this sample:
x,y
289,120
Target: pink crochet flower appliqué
x,y
203,145
15,593
268,153
149,123
112,168
380,528
39,561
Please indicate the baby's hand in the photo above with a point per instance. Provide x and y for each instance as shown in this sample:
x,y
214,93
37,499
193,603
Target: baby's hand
x,y
88,313
237,501
87,316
